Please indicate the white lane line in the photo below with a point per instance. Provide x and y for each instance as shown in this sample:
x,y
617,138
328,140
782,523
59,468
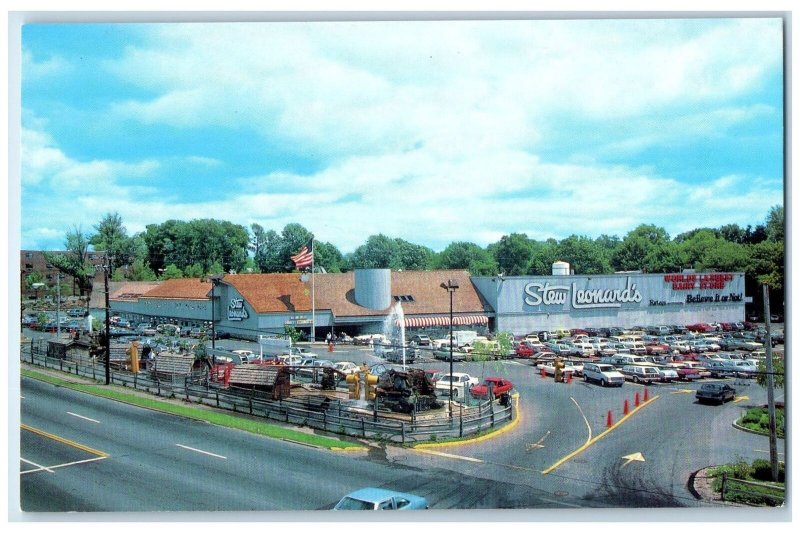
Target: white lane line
x,y
51,468
559,503
84,417
449,455
201,451
588,426
38,466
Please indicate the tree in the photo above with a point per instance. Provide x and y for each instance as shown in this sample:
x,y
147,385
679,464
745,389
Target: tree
x,y
775,224
778,372
377,252
513,254
74,262
139,271
466,256
645,248
172,272
112,238
410,256
257,239
327,256
33,277
584,255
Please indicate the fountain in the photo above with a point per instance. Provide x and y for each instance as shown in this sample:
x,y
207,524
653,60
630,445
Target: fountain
x,y
394,329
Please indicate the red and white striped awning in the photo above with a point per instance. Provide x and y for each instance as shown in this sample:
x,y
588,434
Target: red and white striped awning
x,y
429,321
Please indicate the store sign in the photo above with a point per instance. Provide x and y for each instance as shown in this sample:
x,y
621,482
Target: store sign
x,y
545,294
688,282
236,310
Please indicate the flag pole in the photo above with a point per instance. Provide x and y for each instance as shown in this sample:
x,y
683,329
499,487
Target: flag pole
x,y
313,294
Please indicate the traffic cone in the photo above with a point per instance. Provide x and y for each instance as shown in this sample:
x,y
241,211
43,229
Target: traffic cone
x,y
544,374
625,408
636,399
330,347
609,420
646,395
569,378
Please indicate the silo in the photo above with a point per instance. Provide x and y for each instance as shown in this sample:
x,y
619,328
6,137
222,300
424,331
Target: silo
x,y
373,287
561,268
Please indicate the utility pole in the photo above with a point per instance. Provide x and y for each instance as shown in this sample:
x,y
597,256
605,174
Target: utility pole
x,y
773,437
107,341
58,305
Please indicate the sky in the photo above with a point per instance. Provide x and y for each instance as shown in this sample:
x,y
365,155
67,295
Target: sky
x,y
430,131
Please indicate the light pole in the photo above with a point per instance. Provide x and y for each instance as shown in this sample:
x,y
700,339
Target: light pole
x,y
215,279
451,287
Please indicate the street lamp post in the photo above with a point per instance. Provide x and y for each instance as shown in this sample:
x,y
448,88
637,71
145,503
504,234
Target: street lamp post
x,y
215,279
451,287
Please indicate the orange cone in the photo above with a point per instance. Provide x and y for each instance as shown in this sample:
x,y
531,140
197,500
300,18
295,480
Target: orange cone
x,y
544,374
609,420
636,399
569,378
625,408
646,395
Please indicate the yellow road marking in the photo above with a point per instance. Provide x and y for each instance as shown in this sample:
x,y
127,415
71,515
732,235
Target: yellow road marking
x,y
508,427
538,443
682,391
63,440
738,399
597,438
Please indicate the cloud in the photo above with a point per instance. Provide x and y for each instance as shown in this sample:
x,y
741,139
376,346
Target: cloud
x,y
34,70
442,131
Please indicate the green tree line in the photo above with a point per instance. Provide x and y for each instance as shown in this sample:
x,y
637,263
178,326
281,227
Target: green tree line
x,y
175,249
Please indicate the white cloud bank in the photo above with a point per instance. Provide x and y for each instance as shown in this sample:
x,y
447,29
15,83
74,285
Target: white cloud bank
x,y
437,128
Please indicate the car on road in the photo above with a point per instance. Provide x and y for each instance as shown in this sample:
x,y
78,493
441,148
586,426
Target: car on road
x,y
461,384
549,367
715,392
246,356
314,367
492,387
603,373
377,499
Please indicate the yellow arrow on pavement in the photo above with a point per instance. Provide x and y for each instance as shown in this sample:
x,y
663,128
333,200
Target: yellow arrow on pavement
x,y
682,391
538,444
738,399
633,457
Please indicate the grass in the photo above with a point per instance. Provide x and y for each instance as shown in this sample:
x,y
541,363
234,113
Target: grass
x,y
748,494
212,417
757,419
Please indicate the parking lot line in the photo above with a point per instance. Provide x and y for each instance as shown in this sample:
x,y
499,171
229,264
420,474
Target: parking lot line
x,y
597,438
449,455
83,417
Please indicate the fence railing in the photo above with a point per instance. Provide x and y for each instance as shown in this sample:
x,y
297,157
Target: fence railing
x,y
733,486
318,412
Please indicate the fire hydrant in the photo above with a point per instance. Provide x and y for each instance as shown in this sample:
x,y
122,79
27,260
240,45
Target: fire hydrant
x,y
558,364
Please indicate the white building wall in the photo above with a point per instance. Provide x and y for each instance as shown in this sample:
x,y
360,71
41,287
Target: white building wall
x,y
525,304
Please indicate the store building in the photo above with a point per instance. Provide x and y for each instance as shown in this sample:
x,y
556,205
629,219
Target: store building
x,y
526,304
364,301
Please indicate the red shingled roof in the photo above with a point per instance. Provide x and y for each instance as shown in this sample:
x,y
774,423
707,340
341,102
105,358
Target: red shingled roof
x,y
274,293
125,290
268,293
185,289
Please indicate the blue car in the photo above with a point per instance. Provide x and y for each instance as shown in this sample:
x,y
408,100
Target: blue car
x,y
375,499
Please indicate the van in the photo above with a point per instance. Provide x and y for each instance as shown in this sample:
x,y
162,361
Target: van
x,y
641,374
603,373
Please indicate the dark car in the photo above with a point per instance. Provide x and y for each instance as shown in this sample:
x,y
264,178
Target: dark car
x,y
715,392
421,340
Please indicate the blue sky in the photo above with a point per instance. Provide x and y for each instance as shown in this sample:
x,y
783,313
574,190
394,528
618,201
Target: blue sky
x,y
429,131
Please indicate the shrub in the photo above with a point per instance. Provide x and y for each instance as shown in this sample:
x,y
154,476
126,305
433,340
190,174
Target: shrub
x,y
762,470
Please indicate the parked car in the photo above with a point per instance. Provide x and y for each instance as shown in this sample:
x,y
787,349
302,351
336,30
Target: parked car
x,y
605,374
347,367
461,384
718,368
315,367
377,499
444,354
640,374
497,386
715,392
523,350
247,356
76,312
742,369
421,340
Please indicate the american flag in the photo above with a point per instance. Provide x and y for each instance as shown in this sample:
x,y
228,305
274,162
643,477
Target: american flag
x,y
305,257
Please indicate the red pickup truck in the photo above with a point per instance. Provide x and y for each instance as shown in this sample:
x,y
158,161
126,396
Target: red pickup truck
x,y
499,386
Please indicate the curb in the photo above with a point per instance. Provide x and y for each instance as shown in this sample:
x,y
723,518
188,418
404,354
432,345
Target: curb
x,y
754,432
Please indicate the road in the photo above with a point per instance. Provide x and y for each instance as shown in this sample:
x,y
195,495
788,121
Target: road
x,y
560,455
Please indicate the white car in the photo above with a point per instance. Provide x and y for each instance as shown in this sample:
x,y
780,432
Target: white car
x,y
461,384
603,373
569,368
347,367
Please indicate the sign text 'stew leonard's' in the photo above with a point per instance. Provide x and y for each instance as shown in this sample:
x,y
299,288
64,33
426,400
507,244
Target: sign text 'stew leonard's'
x,y
544,293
